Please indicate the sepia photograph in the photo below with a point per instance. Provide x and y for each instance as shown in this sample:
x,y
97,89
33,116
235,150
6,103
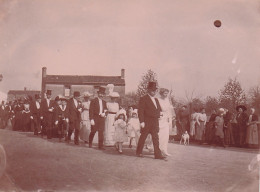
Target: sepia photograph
x,y
129,95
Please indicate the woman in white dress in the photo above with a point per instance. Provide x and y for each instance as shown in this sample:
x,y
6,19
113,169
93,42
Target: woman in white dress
x,y
193,120
112,108
164,121
85,122
201,120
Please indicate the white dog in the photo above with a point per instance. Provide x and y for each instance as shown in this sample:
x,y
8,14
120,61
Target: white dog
x,y
186,138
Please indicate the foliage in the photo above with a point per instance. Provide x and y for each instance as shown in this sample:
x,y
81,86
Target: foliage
x,y
142,87
129,99
211,103
232,95
254,97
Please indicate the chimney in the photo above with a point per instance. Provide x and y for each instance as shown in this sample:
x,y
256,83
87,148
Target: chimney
x,y
122,73
44,72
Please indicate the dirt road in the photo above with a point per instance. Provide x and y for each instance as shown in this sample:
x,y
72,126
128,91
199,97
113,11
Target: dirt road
x,y
36,164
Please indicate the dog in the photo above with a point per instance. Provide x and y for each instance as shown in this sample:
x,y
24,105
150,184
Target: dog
x,y
186,138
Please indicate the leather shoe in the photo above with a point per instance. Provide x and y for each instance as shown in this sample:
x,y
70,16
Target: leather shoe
x,y
101,148
161,158
140,155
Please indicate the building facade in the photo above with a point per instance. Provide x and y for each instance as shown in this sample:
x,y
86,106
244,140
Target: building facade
x,y
67,84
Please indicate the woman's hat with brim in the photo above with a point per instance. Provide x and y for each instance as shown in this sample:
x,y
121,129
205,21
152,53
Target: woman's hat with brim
x,y
221,111
242,107
62,98
121,112
114,94
86,94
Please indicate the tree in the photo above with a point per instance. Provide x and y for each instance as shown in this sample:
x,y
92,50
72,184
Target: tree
x,y
129,99
254,96
211,103
232,95
142,87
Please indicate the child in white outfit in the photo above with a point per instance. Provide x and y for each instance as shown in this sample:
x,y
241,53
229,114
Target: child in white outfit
x,y
120,130
133,127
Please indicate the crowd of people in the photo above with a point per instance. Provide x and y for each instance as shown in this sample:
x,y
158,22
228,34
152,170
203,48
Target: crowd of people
x,y
221,127
152,124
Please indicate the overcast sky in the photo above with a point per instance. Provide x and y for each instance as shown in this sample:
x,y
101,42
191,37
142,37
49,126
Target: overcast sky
x,y
174,38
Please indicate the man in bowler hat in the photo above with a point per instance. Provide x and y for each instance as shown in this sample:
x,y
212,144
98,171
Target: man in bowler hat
x,y
74,117
149,114
47,108
97,114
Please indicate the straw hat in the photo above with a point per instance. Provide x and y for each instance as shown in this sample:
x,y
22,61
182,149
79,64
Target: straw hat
x,y
114,94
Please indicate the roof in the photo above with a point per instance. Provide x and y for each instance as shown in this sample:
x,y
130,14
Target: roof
x,y
86,80
21,92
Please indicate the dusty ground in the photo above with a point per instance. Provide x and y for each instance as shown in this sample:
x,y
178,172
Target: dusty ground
x,y
36,164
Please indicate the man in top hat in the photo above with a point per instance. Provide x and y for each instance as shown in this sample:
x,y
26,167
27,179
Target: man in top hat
x,y
74,117
242,119
149,114
47,108
36,111
97,114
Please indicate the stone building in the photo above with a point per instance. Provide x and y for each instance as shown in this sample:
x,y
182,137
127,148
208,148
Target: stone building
x,y
67,84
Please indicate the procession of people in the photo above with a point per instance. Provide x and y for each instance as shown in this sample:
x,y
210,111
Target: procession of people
x,y
152,124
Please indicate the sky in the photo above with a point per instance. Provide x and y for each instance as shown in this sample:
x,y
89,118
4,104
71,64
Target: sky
x,y
176,39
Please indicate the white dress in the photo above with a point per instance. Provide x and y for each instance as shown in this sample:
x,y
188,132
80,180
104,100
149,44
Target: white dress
x,y
109,132
164,124
193,123
133,128
85,122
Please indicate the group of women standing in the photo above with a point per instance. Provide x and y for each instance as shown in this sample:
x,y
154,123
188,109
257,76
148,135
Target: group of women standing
x,y
224,128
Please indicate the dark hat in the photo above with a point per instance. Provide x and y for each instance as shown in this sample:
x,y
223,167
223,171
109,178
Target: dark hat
x,y
102,90
242,107
152,86
48,92
37,96
76,94
57,98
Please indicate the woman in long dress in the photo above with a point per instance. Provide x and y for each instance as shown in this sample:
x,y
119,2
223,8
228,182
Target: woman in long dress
x,y
113,108
252,133
85,121
164,121
219,127
193,119
201,121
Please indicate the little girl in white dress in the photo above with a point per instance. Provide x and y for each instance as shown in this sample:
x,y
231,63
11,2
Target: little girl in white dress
x,y
133,127
120,130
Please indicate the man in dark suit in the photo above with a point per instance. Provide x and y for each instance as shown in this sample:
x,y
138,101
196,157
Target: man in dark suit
x,y
36,111
47,108
61,117
149,113
74,117
97,114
